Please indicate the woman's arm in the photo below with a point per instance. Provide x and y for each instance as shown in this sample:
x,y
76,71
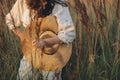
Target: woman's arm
x,y
13,18
66,32
41,43
65,24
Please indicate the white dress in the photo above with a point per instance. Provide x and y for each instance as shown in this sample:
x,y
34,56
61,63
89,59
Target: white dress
x,y
20,15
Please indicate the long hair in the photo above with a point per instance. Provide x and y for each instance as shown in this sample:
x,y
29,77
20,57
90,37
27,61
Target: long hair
x,y
43,11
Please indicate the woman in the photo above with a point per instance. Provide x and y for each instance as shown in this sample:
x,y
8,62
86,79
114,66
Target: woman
x,y
25,11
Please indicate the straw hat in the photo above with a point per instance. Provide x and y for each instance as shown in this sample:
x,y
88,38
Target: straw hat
x,y
50,59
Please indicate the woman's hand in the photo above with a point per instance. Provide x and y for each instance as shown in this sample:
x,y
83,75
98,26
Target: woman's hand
x,y
40,43
18,32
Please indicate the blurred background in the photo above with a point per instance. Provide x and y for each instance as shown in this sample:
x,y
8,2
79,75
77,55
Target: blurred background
x,y
96,49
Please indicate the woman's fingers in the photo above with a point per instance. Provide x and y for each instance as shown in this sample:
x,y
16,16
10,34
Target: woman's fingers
x,y
18,33
34,42
38,43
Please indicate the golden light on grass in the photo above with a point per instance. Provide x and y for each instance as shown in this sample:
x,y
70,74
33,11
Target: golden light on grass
x,y
96,48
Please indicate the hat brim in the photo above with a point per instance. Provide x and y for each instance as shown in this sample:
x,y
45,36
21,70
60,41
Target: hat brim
x,y
36,57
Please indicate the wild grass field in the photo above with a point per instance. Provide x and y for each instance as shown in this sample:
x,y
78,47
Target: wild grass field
x,y
96,49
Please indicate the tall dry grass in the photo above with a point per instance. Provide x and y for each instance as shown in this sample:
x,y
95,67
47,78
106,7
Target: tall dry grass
x,y
96,49
97,44
10,51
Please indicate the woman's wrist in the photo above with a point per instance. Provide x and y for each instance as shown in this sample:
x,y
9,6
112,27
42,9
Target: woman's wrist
x,y
18,32
52,41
